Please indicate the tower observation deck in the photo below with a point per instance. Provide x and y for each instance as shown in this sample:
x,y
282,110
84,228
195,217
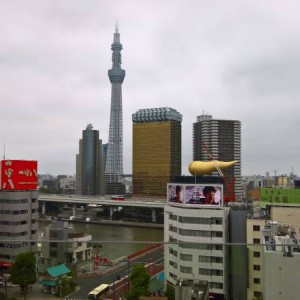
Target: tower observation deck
x,y
114,159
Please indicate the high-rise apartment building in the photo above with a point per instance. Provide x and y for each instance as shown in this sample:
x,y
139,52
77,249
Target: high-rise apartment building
x,y
156,150
222,138
18,209
114,159
90,164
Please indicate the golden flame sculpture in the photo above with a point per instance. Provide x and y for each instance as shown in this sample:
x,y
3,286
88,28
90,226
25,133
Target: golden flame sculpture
x,y
206,167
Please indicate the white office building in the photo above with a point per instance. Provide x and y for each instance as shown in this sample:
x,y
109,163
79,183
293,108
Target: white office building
x,y
194,249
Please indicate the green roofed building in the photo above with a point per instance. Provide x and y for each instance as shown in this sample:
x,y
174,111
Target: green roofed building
x,y
52,282
279,196
58,271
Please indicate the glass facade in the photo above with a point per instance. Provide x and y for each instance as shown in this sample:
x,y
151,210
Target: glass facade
x,y
156,156
90,164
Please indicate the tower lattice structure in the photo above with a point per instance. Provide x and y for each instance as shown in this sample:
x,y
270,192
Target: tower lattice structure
x,y
114,160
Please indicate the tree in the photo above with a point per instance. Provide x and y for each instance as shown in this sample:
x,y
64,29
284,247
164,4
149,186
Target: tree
x,y
23,271
139,279
170,292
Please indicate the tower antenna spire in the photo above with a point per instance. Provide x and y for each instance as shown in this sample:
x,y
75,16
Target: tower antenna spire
x,y
114,158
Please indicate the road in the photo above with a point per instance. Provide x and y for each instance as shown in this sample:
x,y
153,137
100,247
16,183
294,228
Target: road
x,y
86,284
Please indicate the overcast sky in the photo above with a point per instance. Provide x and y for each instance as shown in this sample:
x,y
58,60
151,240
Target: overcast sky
x,y
233,59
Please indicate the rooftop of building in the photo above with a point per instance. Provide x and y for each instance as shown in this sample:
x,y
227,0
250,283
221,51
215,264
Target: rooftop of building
x,y
281,238
161,114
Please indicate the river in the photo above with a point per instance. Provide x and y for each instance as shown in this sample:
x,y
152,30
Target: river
x,y
117,241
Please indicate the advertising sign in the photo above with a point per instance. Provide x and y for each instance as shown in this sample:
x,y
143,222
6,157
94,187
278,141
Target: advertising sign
x,y
18,175
196,194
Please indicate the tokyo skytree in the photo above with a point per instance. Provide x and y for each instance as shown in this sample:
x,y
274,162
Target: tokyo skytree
x,y
114,159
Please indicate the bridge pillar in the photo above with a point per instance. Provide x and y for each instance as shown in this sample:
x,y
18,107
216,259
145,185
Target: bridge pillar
x,y
74,210
153,215
43,208
111,212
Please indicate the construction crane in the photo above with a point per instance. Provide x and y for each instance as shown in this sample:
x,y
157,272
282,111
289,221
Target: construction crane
x,y
229,193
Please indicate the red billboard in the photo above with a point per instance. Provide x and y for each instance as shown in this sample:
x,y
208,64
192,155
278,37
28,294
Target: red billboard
x,y
18,175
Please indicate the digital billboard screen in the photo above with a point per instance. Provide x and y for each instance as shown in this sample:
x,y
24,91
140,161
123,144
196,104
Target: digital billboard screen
x,y
18,175
196,194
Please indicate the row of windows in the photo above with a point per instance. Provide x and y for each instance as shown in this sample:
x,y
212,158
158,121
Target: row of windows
x,y
11,201
14,246
211,259
215,285
204,259
196,220
210,272
200,233
14,234
202,271
13,212
13,223
200,246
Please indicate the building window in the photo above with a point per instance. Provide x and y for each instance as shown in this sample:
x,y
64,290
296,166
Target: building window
x,y
173,264
53,253
186,270
206,272
172,228
256,280
217,221
173,252
257,294
205,259
256,254
217,272
217,234
256,241
217,247
191,232
53,234
256,267
256,228
172,240
186,257
217,259
172,217
216,285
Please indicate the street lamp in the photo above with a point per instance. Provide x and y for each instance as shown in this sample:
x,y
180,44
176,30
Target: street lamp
x,y
60,287
127,276
180,288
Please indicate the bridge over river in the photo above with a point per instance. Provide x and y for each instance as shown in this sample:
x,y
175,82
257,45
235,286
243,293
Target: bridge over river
x,y
152,203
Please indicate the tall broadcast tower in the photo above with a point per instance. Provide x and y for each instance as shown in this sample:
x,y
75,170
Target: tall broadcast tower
x,y
114,159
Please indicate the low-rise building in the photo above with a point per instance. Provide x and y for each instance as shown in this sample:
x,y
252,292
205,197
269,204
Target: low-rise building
x,y
67,246
281,260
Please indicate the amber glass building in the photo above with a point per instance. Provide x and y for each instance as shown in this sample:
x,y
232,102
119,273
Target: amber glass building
x,y
156,150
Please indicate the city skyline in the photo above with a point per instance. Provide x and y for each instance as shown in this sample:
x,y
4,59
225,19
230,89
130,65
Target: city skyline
x,y
232,60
